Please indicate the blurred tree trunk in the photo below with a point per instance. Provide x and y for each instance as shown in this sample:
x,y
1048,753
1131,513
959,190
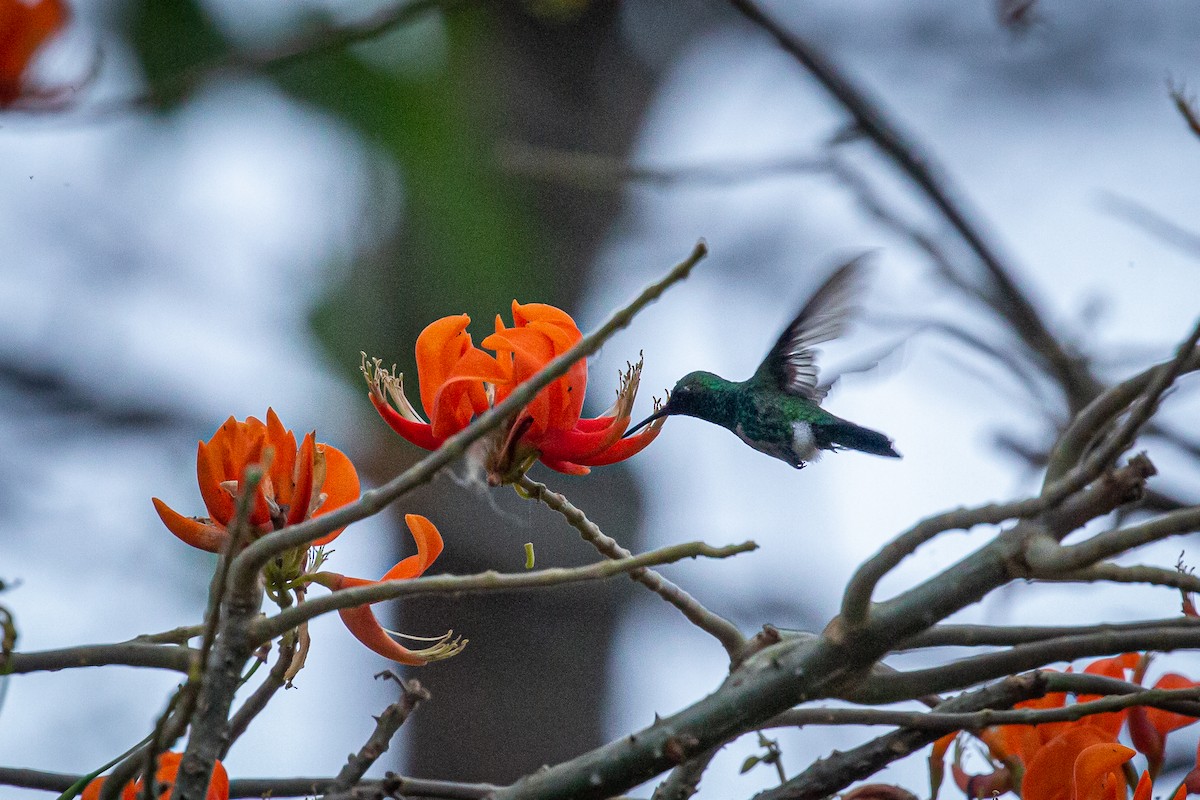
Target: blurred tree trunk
x,y
569,85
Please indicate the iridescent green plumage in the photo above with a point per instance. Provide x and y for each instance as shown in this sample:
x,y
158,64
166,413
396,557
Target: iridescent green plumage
x,y
777,410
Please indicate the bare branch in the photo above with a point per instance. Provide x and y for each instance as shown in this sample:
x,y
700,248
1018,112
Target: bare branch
x,y
1149,385
265,630
1053,557
684,780
390,786
128,654
1004,636
722,629
922,168
412,694
256,702
1032,655
857,598
1139,573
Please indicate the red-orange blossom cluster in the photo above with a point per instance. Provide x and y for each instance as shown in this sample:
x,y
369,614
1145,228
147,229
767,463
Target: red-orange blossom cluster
x,y
1081,759
459,381
305,480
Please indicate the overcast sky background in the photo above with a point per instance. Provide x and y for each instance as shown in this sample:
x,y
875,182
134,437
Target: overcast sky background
x,y
170,265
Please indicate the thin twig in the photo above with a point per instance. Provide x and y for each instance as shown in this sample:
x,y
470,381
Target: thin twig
x,y
372,502
312,44
722,629
126,654
684,780
1179,700
391,785
857,598
256,702
412,694
610,173
893,688
922,168
1008,636
1071,446
265,630
1137,573
1111,543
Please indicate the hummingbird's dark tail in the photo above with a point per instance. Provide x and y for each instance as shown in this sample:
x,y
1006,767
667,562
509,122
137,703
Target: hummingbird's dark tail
x,y
843,434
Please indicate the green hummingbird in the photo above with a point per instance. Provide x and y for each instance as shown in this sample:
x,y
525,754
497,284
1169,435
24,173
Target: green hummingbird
x,y
778,411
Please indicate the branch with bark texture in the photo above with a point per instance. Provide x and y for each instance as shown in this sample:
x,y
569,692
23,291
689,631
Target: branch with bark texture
x,y
720,628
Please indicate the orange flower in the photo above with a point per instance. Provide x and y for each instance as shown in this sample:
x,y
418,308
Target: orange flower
x,y
168,765
24,28
459,381
1148,727
299,483
1082,763
1045,753
363,624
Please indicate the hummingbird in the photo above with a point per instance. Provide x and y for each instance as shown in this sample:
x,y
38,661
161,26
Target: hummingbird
x,y
777,410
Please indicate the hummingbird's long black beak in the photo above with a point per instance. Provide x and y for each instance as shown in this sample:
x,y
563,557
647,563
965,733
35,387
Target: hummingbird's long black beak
x,y
662,412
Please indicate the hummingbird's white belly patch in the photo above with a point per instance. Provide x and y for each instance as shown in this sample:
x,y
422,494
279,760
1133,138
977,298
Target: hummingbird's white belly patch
x,y
803,442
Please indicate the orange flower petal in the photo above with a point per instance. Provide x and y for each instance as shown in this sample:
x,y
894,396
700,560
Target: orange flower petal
x,y
419,433
218,502
190,530
439,347
576,445
361,622
429,547
1166,721
461,395
1149,741
1115,667
341,486
283,467
541,312
260,514
565,467
1144,787
168,767
1050,774
24,29
302,498
623,448
1097,771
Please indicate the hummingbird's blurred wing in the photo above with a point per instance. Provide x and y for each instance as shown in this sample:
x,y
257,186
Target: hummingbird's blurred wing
x,y
792,363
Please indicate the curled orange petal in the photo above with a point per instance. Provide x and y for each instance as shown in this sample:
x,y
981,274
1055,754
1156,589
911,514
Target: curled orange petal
x,y
624,448
1098,771
429,547
439,347
210,477
1166,721
191,530
1050,774
566,467
419,433
361,622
